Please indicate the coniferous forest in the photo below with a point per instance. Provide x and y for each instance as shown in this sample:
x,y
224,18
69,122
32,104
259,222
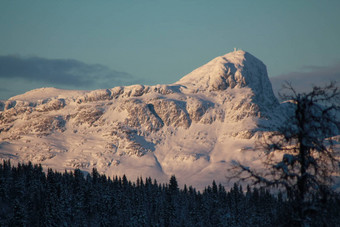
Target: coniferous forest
x,y
31,197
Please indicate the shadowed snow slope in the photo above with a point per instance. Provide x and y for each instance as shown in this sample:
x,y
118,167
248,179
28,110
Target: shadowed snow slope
x,y
192,128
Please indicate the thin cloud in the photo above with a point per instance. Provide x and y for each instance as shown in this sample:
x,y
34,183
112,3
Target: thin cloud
x,y
311,75
61,72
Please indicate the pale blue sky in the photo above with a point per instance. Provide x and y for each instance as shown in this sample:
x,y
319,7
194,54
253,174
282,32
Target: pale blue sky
x,y
110,43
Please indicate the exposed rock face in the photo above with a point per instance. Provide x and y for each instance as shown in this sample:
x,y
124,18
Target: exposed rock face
x,y
191,128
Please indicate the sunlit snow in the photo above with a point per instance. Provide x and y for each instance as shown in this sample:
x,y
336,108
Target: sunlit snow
x,y
192,128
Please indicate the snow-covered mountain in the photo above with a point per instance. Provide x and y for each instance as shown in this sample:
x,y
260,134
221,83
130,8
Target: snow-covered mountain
x,y
192,128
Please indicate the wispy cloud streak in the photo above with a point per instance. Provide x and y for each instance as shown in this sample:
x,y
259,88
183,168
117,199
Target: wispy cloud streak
x,y
61,72
310,75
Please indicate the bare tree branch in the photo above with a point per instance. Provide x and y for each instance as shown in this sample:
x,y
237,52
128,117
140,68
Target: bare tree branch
x,y
301,156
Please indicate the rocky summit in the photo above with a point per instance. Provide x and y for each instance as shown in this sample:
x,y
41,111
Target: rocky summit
x,y
192,128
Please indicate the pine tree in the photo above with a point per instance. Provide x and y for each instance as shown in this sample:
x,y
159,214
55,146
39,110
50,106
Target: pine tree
x,y
173,185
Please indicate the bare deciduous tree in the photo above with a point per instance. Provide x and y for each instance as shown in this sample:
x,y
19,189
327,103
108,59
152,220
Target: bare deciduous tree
x,y
302,156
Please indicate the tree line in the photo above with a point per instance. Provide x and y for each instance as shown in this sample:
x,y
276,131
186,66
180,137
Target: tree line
x,y
31,197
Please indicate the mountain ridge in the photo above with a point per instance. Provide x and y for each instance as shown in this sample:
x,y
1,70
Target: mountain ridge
x,y
192,128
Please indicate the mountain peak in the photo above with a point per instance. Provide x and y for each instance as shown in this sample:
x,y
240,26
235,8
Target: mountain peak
x,y
237,56
237,69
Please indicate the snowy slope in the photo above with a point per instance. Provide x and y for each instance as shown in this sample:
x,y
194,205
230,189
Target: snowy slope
x,y
192,128
46,94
